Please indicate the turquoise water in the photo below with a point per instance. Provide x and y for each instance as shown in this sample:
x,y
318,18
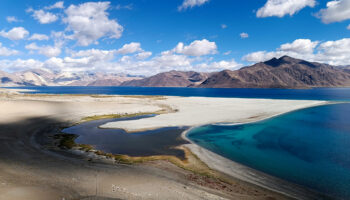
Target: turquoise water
x,y
310,147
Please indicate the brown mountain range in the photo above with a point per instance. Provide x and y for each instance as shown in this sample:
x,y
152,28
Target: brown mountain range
x,y
285,72
170,79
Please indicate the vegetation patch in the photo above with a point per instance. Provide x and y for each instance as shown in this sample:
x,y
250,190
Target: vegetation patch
x,y
116,116
67,141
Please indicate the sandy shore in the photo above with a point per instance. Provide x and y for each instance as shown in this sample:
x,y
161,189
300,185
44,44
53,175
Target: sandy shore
x,y
241,172
32,169
196,111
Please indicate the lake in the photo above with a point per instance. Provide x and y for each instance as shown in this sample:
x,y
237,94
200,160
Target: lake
x,y
309,147
338,94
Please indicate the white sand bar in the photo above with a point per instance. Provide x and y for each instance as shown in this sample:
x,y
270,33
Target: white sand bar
x,y
196,111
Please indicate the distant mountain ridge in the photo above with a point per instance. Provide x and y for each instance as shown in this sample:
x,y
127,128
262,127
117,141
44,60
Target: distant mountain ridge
x,y
170,79
41,77
283,72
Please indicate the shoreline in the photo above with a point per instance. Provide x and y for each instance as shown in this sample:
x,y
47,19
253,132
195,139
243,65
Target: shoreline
x,y
239,171
253,176
248,174
56,109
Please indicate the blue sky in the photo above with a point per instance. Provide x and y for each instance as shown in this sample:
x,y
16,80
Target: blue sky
x,y
151,36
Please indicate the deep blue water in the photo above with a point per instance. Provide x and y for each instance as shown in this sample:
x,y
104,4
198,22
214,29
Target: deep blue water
x,y
310,147
310,94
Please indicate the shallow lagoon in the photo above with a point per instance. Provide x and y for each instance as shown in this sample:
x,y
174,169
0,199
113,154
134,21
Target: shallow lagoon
x,y
117,141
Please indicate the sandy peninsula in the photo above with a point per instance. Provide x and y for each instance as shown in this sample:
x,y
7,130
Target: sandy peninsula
x,y
196,111
31,168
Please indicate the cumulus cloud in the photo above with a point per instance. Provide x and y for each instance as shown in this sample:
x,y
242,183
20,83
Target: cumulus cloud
x,y
221,65
196,48
57,5
143,55
16,33
84,60
107,60
300,46
190,4
95,54
7,52
332,52
11,19
130,48
42,16
37,36
89,22
280,8
48,51
244,35
336,11
19,64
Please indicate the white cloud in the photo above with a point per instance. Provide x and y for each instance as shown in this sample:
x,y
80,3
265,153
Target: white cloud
x,y
196,48
331,52
7,52
244,35
11,19
48,51
218,66
260,56
16,33
223,26
43,17
95,54
57,5
105,60
89,22
37,36
130,48
336,11
280,8
19,64
143,55
348,27
300,46
190,4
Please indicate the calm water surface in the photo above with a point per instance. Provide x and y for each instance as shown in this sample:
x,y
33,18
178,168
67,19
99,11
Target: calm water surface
x,y
310,147
117,141
312,94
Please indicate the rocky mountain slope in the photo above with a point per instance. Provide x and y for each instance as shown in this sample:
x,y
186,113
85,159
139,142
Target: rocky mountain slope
x,y
285,72
170,79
